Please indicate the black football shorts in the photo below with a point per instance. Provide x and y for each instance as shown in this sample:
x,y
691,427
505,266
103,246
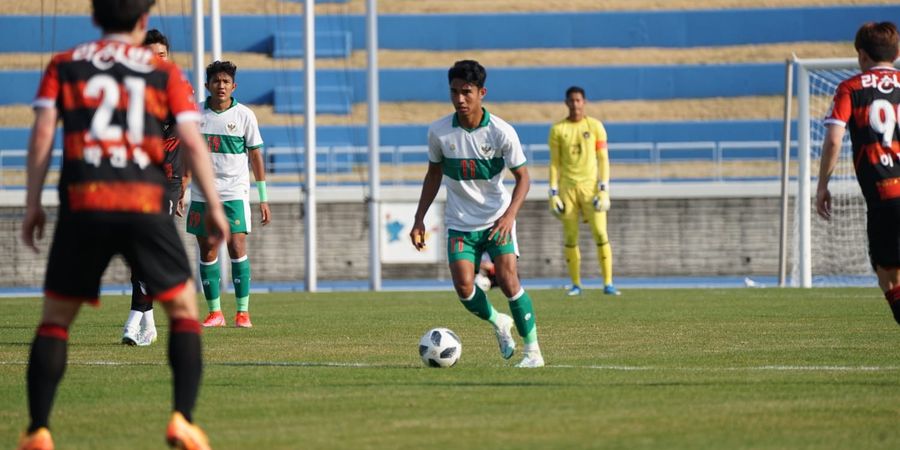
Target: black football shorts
x,y
82,248
883,227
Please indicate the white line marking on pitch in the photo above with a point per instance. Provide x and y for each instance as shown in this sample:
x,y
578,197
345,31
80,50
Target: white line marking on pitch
x,y
350,365
736,369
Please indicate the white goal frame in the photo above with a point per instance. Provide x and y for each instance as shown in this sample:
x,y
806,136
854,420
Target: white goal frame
x,y
804,175
803,259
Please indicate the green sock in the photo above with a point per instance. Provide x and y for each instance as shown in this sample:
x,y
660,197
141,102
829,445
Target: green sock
x,y
240,272
210,277
479,305
523,315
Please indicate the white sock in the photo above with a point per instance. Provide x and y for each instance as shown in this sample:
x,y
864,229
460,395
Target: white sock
x,y
134,320
149,321
532,347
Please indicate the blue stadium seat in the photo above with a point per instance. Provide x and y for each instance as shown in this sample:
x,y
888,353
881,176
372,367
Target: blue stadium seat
x,y
329,44
319,1
330,158
329,99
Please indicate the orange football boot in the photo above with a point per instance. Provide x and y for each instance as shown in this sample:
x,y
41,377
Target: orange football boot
x,y
242,320
214,319
38,440
184,435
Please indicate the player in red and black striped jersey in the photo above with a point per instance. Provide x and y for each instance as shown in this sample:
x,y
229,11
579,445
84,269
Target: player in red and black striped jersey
x,y
140,327
868,105
113,97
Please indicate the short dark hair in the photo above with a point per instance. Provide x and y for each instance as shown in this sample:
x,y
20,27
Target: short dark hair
x,y
221,66
878,40
119,15
154,36
469,71
575,90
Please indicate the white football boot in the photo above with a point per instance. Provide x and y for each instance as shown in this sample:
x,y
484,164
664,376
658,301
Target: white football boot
x,y
503,329
532,360
131,336
147,337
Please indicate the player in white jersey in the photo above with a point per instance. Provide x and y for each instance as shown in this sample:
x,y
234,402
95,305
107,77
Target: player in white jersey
x,y
235,145
468,150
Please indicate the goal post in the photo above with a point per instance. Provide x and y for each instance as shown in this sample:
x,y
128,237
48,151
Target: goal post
x,y
832,252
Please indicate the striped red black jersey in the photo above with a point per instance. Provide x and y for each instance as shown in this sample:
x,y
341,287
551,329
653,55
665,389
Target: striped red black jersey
x,y
868,105
173,165
113,99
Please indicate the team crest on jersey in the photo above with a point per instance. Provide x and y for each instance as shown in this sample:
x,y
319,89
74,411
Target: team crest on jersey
x,y
586,135
231,127
452,147
486,149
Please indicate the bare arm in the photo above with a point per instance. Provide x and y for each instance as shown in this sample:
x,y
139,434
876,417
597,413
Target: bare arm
x,y
430,187
504,225
831,150
257,164
40,147
185,181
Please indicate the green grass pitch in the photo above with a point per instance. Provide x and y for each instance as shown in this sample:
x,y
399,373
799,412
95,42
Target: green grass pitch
x,y
693,369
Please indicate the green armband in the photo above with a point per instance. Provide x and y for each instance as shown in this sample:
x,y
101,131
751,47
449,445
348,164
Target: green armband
x,y
261,188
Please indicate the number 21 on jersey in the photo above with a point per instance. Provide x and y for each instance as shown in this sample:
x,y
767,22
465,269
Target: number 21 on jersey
x,y
104,88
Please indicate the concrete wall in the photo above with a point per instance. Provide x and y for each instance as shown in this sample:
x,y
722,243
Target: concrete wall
x,y
674,236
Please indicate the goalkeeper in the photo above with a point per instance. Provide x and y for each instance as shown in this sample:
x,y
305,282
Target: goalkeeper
x,y
579,183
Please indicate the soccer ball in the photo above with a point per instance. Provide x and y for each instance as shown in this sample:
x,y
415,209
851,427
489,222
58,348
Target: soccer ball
x,y
483,282
440,347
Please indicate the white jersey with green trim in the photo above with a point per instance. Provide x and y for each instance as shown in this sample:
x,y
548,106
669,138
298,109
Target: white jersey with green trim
x,y
230,134
473,162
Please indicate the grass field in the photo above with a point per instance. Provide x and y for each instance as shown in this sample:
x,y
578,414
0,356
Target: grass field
x,y
751,368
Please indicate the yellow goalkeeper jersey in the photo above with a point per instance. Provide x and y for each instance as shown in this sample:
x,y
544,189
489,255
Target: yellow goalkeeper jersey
x,y
574,151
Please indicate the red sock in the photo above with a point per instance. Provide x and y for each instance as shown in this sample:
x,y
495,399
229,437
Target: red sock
x,y
893,299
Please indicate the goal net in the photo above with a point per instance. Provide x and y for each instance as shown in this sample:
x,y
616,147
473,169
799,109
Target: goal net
x,y
826,252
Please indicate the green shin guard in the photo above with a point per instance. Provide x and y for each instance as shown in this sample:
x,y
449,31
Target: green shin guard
x,y
240,273
480,306
523,315
210,277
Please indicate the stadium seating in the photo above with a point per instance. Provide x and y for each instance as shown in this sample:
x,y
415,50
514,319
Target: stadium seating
x,y
670,29
339,89
429,85
289,44
329,99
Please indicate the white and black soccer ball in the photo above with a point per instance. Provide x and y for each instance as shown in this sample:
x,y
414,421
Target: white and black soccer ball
x,y
440,347
483,282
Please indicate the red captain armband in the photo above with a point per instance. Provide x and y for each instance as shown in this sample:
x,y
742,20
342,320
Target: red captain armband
x,y
601,145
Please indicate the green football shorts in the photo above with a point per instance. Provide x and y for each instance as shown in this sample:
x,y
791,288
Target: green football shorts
x,y
236,211
469,245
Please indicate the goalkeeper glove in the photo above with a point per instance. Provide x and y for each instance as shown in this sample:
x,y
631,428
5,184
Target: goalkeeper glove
x,y
601,200
557,207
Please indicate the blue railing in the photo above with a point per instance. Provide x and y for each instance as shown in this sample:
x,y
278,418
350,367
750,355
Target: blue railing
x,y
346,164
